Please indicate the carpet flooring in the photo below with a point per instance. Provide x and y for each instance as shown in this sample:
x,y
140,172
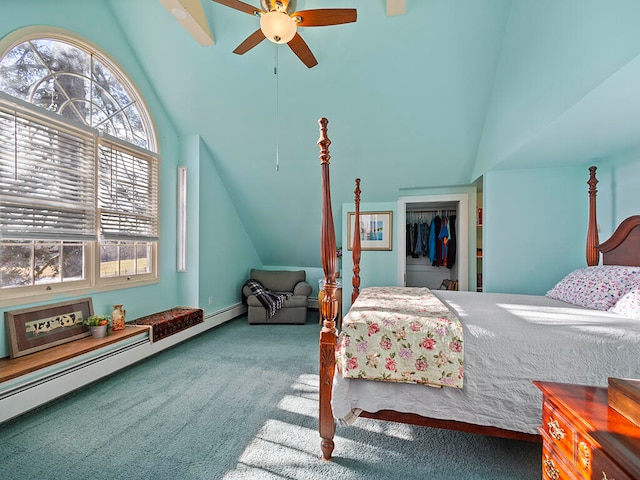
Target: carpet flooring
x,y
236,402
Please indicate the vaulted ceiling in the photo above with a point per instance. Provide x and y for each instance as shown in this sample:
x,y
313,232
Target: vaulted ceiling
x,y
436,96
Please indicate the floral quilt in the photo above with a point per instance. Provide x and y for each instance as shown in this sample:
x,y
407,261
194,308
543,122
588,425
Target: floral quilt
x,y
401,334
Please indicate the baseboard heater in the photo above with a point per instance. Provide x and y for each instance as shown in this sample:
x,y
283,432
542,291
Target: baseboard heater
x,y
20,395
66,368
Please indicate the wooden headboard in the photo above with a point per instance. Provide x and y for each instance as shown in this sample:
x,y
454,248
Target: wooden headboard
x,y
622,246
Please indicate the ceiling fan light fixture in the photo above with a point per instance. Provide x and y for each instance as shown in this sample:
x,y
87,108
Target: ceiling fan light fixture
x,y
278,26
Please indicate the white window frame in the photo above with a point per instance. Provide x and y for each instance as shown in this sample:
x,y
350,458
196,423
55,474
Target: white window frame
x,y
92,282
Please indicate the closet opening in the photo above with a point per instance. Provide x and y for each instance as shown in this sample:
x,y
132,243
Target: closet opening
x,y
433,243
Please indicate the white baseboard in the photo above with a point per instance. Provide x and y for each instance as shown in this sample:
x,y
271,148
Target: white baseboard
x,y
30,391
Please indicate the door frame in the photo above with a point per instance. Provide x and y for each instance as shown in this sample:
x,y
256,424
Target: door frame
x,y
462,237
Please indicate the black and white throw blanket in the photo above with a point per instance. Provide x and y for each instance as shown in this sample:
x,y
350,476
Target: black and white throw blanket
x,y
269,300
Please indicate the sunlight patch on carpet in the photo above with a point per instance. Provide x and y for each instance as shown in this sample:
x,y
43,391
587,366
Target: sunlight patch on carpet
x,y
401,431
299,405
283,450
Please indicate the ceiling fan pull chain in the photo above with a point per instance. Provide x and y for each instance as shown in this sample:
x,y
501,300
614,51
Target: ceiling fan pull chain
x,y
275,71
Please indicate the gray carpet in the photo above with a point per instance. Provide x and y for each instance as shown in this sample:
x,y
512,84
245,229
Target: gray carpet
x,y
237,402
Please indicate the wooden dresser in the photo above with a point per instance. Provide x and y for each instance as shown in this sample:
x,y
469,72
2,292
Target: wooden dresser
x,y
583,438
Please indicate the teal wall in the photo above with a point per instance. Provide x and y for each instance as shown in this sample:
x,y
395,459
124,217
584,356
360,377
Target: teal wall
x,y
219,252
226,253
618,192
555,54
535,227
535,220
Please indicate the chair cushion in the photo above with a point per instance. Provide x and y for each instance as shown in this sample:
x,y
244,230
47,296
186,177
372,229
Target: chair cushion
x,y
292,301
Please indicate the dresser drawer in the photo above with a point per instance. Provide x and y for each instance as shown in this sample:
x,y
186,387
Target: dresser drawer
x,y
554,468
583,459
583,437
603,468
558,431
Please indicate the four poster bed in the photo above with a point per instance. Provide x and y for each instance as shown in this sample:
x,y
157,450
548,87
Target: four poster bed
x,y
502,343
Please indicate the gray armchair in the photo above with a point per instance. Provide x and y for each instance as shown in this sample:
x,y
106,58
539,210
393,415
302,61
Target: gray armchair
x,y
294,309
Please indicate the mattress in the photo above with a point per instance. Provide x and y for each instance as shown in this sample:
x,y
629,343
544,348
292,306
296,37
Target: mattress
x,y
510,340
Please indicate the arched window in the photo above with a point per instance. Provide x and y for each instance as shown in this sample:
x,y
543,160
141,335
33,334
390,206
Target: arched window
x,y
71,121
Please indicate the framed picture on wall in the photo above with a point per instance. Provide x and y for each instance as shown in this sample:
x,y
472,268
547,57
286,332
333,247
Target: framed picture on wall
x,y
375,230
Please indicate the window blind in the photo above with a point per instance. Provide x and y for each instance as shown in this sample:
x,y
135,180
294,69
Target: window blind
x,y
47,175
127,192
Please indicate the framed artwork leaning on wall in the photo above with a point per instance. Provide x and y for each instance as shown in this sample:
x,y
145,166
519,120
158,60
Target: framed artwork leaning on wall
x,y
37,328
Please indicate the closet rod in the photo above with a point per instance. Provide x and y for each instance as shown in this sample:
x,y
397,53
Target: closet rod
x,y
433,213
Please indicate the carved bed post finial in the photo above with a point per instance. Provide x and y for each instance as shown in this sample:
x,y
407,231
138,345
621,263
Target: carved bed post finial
x,y
355,248
593,256
329,305
324,141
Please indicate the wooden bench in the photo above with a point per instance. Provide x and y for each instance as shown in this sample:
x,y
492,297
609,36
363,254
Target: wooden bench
x,y
32,380
16,367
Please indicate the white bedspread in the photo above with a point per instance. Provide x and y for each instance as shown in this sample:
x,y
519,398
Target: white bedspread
x,y
510,340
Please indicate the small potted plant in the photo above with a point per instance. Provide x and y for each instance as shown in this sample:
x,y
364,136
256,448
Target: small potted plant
x,y
98,325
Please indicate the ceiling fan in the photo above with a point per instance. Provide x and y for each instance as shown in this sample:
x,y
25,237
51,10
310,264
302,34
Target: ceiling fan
x,y
280,26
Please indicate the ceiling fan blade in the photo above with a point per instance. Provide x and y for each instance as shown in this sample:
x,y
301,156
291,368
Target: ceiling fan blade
x,y
238,5
326,16
251,41
302,50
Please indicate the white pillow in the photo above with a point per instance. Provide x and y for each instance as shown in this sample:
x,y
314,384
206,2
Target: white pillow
x,y
629,304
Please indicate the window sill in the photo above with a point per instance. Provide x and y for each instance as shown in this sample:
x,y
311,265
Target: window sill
x,y
44,293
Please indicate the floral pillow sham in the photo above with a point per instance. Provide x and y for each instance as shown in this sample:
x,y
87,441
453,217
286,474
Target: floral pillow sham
x,y
598,287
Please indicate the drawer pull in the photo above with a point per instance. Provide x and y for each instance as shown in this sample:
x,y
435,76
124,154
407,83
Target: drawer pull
x,y
604,477
550,469
555,430
583,455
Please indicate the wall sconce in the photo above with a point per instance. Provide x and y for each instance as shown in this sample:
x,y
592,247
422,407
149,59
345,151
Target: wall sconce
x,y
182,219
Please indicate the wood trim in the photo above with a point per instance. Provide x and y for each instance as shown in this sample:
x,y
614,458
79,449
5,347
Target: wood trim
x,y
415,419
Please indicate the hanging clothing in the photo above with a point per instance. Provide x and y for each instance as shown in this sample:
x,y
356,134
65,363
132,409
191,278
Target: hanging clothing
x,y
424,227
435,245
443,236
417,248
451,245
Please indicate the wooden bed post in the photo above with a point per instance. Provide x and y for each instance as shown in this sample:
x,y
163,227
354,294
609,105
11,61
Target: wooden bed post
x,y
355,248
329,304
593,255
